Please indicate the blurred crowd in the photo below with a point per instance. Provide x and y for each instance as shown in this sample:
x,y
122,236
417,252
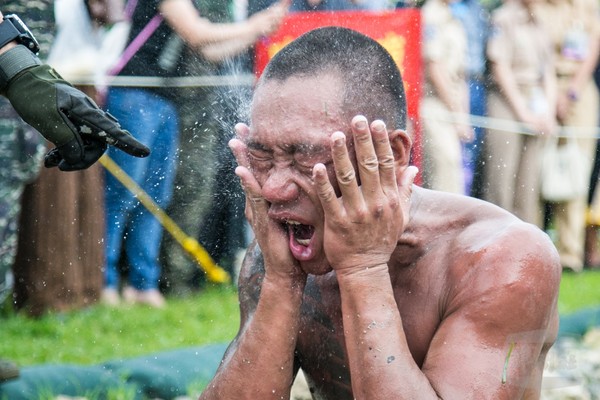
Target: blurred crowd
x,y
505,84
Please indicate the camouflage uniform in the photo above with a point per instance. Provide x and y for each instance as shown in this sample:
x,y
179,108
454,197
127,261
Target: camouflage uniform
x,y
21,150
21,147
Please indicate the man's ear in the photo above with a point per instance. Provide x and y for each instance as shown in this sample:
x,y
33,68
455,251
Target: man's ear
x,y
401,146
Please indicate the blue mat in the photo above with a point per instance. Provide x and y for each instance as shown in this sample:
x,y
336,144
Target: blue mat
x,y
578,323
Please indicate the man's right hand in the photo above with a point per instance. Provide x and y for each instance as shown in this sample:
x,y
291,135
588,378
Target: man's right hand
x,y
270,235
68,118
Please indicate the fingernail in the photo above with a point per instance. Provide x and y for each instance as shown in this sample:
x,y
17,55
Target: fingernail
x,y
360,124
378,126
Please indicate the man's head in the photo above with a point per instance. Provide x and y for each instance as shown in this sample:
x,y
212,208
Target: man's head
x,y
372,83
311,89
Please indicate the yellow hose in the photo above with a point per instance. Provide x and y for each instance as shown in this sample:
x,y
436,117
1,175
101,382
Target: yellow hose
x,y
214,273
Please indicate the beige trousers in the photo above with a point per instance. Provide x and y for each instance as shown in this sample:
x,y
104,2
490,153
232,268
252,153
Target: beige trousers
x,y
512,166
570,217
442,153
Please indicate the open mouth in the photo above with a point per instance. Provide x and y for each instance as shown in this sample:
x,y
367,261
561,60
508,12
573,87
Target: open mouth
x,y
300,233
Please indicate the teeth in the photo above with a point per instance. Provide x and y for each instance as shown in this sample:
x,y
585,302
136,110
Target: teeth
x,y
303,242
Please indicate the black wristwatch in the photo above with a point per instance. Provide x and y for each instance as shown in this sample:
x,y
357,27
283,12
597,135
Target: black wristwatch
x,y
12,28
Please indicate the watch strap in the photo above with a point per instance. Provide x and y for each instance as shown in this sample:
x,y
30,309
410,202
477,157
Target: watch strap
x,y
8,32
14,61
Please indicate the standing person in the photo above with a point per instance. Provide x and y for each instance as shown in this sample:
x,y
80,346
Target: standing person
x,y
445,102
592,247
475,21
523,90
574,29
150,113
47,265
376,288
21,75
206,201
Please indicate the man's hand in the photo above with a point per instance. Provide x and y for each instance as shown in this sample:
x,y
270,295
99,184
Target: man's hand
x,y
68,118
362,226
270,235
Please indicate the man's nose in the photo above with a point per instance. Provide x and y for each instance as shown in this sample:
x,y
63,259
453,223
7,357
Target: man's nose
x,y
280,187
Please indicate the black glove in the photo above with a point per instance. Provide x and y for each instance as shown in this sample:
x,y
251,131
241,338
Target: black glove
x,y
68,118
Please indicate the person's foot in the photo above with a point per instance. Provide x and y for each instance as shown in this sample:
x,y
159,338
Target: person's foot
x,y
110,297
150,297
8,370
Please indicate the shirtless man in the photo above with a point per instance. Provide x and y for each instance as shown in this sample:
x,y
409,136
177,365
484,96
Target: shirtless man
x,y
376,288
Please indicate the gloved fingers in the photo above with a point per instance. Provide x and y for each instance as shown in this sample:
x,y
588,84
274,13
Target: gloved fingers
x,y
92,121
72,152
92,151
114,135
123,140
52,158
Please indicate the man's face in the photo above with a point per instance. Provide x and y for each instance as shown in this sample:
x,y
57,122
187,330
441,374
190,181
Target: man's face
x,y
291,122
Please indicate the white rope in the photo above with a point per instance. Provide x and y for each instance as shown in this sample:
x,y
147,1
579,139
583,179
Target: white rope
x,y
153,81
511,126
248,80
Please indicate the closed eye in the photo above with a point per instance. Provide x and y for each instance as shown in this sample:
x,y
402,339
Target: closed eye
x,y
260,156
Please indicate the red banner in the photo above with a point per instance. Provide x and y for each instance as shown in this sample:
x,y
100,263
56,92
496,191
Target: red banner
x,y
399,32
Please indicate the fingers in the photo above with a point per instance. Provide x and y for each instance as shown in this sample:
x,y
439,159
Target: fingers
x,y
71,152
102,126
92,151
344,172
325,191
385,157
374,162
92,122
408,177
366,158
123,140
374,159
237,146
52,158
255,202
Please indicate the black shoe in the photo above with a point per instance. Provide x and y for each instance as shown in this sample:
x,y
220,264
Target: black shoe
x,y
8,370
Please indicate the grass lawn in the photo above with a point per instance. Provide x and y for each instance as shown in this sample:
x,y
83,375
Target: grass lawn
x,y
579,291
99,334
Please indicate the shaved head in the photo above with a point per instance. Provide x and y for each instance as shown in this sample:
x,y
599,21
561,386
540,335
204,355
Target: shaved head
x,y
372,84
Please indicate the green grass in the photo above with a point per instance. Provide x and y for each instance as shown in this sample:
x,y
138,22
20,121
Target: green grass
x,y
99,333
578,291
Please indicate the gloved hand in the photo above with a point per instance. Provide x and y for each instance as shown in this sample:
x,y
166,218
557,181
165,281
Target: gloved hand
x,y
68,118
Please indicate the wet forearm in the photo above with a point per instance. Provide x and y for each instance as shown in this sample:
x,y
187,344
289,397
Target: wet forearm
x,y
220,51
381,364
197,31
260,362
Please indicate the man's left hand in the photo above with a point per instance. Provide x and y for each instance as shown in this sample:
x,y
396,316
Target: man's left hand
x,y
362,226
